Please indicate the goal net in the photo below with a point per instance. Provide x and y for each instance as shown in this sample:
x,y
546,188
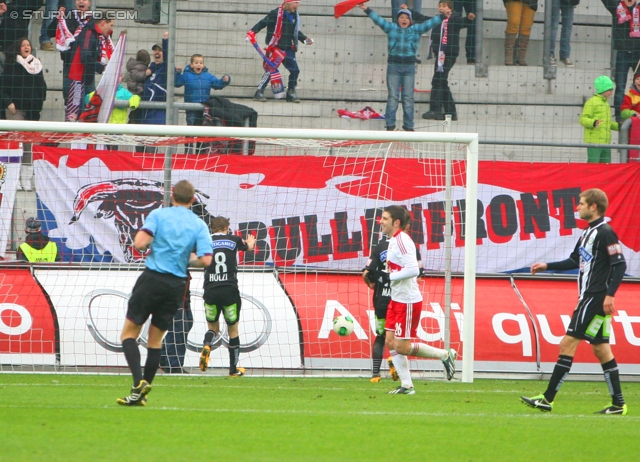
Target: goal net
x,y
312,198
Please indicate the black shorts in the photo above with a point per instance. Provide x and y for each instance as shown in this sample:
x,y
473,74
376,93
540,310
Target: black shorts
x,y
158,295
589,321
225,300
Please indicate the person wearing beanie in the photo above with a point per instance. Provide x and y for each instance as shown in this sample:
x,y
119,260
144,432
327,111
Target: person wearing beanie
x,y
397,5
631,103
403,40
597,122
283,32
37,248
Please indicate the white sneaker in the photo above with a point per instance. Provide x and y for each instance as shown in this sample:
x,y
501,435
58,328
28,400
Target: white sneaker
x,y
567,62
552,60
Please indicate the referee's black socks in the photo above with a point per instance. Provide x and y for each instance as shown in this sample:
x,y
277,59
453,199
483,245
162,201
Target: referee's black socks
x,y
152,364
132,355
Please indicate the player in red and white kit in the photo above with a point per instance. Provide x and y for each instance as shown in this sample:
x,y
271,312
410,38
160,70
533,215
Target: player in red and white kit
x,y
403,314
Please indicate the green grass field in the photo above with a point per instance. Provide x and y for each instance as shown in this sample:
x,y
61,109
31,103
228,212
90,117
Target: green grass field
x,y
67,418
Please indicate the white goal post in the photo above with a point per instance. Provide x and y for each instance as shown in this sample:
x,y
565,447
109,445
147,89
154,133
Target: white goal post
x,y
313,196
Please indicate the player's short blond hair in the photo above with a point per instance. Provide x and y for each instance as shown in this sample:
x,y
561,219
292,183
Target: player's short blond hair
x,y
598,197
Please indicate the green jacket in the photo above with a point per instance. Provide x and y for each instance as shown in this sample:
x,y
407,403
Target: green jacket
x,y
597,108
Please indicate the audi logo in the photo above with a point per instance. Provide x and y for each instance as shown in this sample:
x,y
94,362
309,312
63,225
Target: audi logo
x,y
90,302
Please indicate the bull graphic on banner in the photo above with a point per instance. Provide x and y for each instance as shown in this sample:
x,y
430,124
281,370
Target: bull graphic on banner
x,y
128,201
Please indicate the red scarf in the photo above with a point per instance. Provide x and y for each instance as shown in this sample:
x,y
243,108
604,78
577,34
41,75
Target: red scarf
x,y
442,50
624,15
64,37
277,33
106,49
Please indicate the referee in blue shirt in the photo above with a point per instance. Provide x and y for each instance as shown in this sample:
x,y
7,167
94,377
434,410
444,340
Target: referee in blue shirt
x,y
173,233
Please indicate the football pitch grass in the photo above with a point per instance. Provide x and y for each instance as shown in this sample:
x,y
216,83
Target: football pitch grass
x,y
51,417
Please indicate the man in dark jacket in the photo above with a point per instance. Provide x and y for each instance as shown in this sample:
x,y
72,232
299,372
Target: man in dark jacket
x,y
627,48
445,43
155,87
283,32
37,247
90,55
74,22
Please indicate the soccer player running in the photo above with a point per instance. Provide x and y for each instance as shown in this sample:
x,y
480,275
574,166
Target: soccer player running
x,y
599,256
403,314
381,299
221,293
173,233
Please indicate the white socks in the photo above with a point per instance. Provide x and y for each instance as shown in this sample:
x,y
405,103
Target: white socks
x,y
401,363
422,350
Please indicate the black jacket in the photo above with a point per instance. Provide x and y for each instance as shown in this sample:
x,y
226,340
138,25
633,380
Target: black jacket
x,y
621,39
232,114
26,91
12,29
287,41
224,112
455,25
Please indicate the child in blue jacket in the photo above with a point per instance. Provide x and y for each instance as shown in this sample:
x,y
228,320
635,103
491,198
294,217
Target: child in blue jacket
x,y
403,40
198,83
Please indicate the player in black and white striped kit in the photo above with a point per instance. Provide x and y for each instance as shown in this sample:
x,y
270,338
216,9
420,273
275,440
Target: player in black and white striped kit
x,y
381,299
221,293
598,255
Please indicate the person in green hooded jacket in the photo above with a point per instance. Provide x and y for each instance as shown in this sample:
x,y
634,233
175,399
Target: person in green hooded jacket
x,y
597,122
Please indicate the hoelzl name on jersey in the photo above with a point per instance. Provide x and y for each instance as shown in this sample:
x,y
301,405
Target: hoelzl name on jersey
x,y
585,255
218,277
224,243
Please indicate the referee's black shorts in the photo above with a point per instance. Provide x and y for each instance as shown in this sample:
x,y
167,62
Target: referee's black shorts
x,y
589,322
158,295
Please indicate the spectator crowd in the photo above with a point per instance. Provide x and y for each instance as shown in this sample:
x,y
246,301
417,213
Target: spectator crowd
x,y
83,40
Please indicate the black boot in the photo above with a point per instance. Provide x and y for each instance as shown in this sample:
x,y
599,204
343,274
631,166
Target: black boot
x,y
432,115
291,96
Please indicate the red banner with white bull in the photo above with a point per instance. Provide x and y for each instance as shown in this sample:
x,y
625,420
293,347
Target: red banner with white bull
x,y
323,211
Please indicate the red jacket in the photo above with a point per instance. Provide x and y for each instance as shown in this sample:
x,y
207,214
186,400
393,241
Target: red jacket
x,y
631,103
86,55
